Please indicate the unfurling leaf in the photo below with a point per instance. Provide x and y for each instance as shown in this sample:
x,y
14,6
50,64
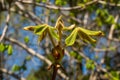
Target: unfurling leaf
x,y
10,50
85,37
42,36
92,33
40,29
59,24
71,38
84,34
69,28
53,33
29,28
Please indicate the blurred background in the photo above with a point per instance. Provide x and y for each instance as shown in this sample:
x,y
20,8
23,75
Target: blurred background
x,y
23,58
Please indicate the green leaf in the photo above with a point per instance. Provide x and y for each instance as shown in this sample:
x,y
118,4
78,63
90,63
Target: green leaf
x,y
28,58
15,68
59,24
44,1
85,37
73,54
10,50
71,38
110,19
69,28
40,29
90,65
42,36
79,58
2,47
91,33
53,33
60,2
26,39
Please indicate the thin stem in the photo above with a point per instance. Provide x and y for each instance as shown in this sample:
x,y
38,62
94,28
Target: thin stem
x,y
60,38
55,68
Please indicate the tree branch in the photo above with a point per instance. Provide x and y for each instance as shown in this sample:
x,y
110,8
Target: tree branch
x,y
108,3
28,13
33,53
3,70
51,6
99,67
6,26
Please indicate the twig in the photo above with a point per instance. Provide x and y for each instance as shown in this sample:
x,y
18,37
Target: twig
x,y
99,67
28,13
51,6
3,70
108,3
6,26
54,72
33,53
113,27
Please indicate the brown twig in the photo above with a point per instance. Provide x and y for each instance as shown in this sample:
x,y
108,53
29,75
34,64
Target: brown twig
x,y
51,6
3,70
33,53
54,72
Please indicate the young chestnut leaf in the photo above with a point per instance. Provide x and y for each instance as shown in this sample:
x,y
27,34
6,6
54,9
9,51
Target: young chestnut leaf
x,y
53,33
10,50
69,28
85,37
29,28
42,36
71,38
84,34
59,24
40,29
91,33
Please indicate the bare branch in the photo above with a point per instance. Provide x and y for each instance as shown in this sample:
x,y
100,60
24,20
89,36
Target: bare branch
x,y
99,67
51,6
3,70
6,26
28,13
108,3
33,53
113,27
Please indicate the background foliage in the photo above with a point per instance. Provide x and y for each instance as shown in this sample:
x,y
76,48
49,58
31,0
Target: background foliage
x,y
21,57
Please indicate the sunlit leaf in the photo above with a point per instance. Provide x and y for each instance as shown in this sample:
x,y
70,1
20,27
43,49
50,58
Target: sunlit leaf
x,y
15,68
29,28
91,33
42,36
53,33
71,38
86,37
26,39
40,29
10,50
84,34
69,28
2,47
59,24
73,54
90,64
